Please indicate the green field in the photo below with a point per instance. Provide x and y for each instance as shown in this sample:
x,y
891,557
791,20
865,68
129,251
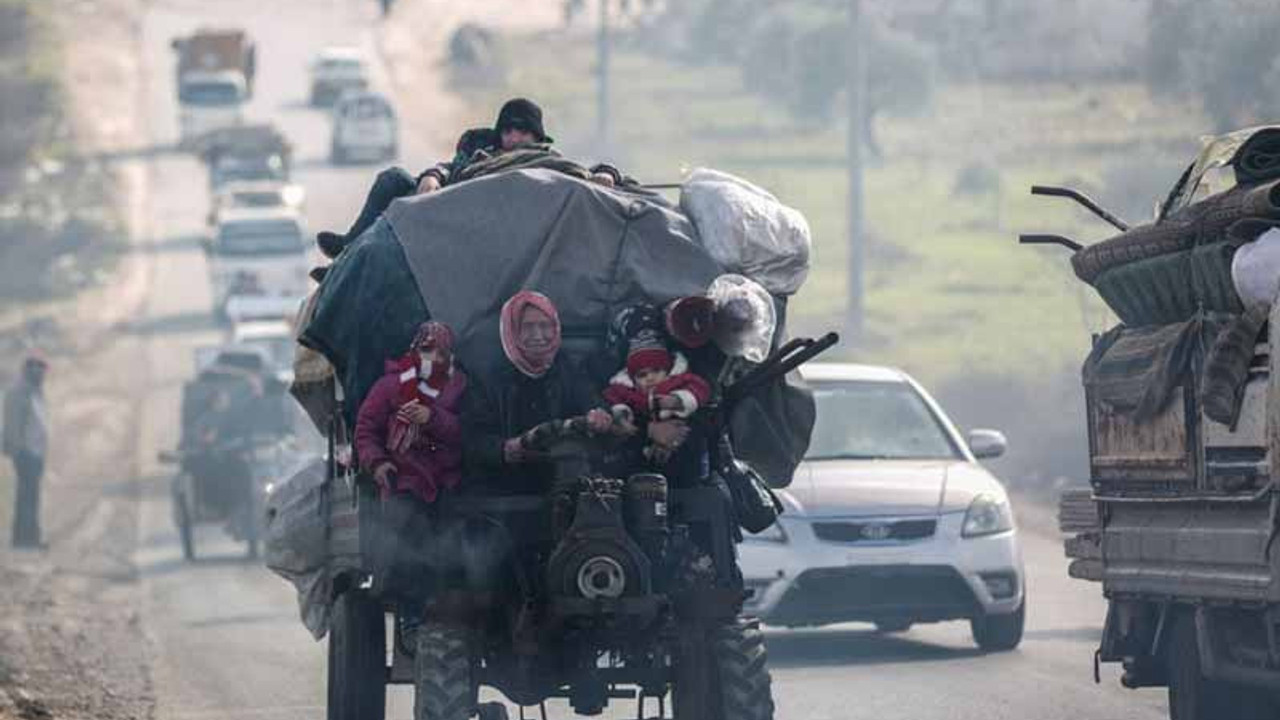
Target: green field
x,y
949,290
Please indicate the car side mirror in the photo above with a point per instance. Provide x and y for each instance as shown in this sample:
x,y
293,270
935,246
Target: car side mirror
x,y
987,444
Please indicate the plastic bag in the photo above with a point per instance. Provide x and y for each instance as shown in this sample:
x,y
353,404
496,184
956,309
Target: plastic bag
x,y
747,230
296,546
745,318
1255,270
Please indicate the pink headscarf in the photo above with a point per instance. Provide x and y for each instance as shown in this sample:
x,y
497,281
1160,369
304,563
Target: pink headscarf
x,y
534,363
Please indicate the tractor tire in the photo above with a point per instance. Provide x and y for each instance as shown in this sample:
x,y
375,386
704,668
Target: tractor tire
x,y
444,678
723,675
1192,696
357,659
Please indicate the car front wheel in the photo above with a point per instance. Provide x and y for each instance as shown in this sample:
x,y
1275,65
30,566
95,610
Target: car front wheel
x,y
1000,633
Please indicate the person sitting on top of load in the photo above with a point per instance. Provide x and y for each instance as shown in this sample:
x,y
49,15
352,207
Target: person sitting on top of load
x,y
538,386
519,126
656,386
408,434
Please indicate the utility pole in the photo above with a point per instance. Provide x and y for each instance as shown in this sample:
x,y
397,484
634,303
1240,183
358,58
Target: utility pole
x,y
856,83
602,76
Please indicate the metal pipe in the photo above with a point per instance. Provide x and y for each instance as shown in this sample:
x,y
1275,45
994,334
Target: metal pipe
x,y
1085,200
1038,239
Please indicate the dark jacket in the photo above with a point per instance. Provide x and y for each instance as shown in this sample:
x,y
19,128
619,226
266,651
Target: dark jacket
x,y
509,405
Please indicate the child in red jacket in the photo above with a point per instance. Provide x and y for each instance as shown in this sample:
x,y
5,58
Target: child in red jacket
x,y
407,432
656,385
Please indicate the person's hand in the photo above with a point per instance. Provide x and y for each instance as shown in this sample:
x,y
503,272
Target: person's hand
x,y
385,475
603,178
429,183
599,421
669,434
513,451
669,402
416,413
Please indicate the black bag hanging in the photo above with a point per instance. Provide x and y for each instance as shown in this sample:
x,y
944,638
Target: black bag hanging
x,y
754,503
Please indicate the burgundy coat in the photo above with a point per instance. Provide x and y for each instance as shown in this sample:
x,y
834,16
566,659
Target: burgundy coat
x,y
434,463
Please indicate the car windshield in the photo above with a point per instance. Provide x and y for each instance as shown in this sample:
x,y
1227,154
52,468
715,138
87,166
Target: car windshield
x,y
258,168
256,198
366,109
280,349
260,237
209,93
345,66
876,420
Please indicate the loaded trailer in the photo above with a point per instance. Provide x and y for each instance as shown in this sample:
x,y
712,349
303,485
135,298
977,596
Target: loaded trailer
x,y
1179,524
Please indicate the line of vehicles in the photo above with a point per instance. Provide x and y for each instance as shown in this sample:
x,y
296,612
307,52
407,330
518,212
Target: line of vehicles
x,y
239,428
891,520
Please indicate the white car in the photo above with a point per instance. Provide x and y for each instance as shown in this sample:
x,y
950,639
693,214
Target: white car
x,y
255,194
364,126
274,336
261,254
337,70
891,519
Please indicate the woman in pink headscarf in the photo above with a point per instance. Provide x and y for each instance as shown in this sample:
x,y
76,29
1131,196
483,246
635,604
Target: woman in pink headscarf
x,y
408,435
538,386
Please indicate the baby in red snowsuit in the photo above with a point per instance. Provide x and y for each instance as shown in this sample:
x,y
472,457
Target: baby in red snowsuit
x,y
655,385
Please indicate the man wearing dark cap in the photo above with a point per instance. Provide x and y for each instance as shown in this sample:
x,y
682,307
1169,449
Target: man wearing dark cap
x,y
519,125
26,442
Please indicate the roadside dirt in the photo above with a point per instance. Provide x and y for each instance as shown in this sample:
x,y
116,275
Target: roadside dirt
x,y
71,643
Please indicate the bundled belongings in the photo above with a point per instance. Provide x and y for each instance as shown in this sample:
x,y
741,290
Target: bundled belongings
x,y
1184,262
747,230
592,250
1193,291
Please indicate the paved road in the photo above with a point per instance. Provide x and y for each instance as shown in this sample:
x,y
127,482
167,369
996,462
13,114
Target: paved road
x,y
228,641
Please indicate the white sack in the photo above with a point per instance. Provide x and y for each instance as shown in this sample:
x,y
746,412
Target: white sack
x,y
1255,270
745,317
747,230
295,541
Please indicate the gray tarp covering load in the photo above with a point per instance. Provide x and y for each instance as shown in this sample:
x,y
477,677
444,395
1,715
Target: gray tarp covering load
x,y
459,253
592,251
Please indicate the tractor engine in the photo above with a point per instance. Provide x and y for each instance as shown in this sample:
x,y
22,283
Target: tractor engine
x,y
609,536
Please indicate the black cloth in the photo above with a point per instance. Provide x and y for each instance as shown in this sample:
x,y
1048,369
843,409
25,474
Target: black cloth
x,y
1136,370
26,507
508,405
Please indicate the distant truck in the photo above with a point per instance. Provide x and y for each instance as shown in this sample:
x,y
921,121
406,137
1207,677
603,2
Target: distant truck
x,y
214,78
1182,517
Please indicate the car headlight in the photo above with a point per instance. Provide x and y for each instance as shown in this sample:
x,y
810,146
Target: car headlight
x,y
773,533
987,516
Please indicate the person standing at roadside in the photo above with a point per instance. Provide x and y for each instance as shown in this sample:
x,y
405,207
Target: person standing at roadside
x,y
26,442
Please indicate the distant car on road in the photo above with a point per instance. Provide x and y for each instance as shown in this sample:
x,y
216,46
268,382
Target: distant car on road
x,y
274,336
890,519
337,70
255,194
364,126
262,254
